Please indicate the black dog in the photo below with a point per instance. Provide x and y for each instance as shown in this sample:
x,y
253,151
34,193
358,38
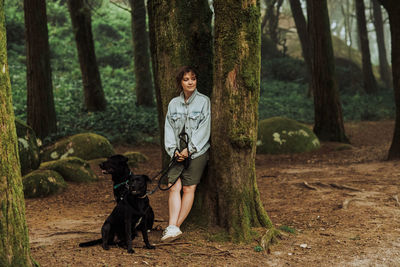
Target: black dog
x,y
132,212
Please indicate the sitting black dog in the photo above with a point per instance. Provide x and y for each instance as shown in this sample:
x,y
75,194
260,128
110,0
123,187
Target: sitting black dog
x,y
132,212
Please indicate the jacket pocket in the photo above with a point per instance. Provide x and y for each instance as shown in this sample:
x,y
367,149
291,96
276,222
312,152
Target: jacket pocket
x,y
194,120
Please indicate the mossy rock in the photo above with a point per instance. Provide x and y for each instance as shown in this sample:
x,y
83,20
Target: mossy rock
x,y
72,169
28,149
134,158
279,135
41,183
86,146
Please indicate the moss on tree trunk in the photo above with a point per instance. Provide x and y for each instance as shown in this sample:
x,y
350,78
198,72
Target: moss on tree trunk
x,y
233,200
180,34
14,243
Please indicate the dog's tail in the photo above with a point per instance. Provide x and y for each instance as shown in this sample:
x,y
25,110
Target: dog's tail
x,y
91,243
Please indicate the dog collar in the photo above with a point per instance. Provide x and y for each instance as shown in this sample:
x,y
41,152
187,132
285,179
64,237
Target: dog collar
x,y
118,185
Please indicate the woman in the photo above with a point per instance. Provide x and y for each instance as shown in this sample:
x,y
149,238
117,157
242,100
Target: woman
x,y
188,116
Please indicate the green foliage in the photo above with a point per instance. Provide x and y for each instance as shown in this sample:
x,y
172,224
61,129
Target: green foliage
x,y
285,69
287,229
123,121
280,98
283,79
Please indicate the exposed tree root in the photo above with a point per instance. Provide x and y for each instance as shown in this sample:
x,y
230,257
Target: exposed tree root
x,y
338,186
305,184
269,238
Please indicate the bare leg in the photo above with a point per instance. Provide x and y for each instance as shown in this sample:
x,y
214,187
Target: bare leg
x,y
174,202
186,203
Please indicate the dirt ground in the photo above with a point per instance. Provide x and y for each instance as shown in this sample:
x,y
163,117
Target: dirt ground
x,y
343,204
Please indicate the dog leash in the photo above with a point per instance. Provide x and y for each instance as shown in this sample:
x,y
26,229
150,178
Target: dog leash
x,y
172,163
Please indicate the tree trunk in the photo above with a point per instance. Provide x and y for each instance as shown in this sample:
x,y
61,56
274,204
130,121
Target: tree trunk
x,y
40,106
272,14
14,240
370,86
328,112
393,9
180,34
384,68
301,26
82,26
143,80
233,200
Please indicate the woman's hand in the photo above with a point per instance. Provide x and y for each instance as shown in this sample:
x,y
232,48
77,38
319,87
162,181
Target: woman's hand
x,y
182,155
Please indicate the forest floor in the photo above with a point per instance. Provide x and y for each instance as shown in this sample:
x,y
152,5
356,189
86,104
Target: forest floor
x,y
343,204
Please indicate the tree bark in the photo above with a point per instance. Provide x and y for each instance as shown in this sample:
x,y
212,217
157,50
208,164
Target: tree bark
x,y
82,26
143,80
14,241
393,9
301,26
233,198
180,34
41,112
272,14
370,86
384,68
327,109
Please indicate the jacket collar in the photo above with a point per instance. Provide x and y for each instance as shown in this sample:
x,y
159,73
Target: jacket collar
x,y
182,97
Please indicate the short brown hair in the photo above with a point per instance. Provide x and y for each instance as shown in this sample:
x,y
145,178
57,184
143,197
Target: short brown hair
x,y
181,72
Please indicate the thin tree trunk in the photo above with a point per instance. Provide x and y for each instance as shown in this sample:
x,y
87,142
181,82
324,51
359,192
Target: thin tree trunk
x,y
14,240
272,14
236,204
143,80
40,106
327,109
393,9
384,68
82,25
180,34
370,86
301,26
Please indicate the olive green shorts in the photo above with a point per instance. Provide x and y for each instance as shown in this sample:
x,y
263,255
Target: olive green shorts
x,y
192,174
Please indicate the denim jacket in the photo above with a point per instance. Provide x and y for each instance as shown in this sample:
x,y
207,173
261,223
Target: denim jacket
x,y
195,116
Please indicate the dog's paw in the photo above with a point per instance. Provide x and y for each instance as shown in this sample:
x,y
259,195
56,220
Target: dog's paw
x,y
106,247
149,247
131,251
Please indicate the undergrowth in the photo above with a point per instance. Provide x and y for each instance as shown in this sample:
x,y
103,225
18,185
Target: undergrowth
x,y
283,84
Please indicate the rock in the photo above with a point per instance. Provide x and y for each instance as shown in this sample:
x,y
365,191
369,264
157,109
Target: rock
x,y
28,149
72,169
41,183
134,158
86,146
280,135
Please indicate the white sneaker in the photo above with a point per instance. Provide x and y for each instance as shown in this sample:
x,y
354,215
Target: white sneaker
x,y
171,233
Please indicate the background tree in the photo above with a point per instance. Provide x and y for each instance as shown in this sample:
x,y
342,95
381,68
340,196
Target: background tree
x,y
233,200
180,34
82,26
271,19
143,80
384,68
328,121
393,9
40,107
368,75
14,243
301,27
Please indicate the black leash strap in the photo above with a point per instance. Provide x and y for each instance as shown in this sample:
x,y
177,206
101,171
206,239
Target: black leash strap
x,y
184,137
